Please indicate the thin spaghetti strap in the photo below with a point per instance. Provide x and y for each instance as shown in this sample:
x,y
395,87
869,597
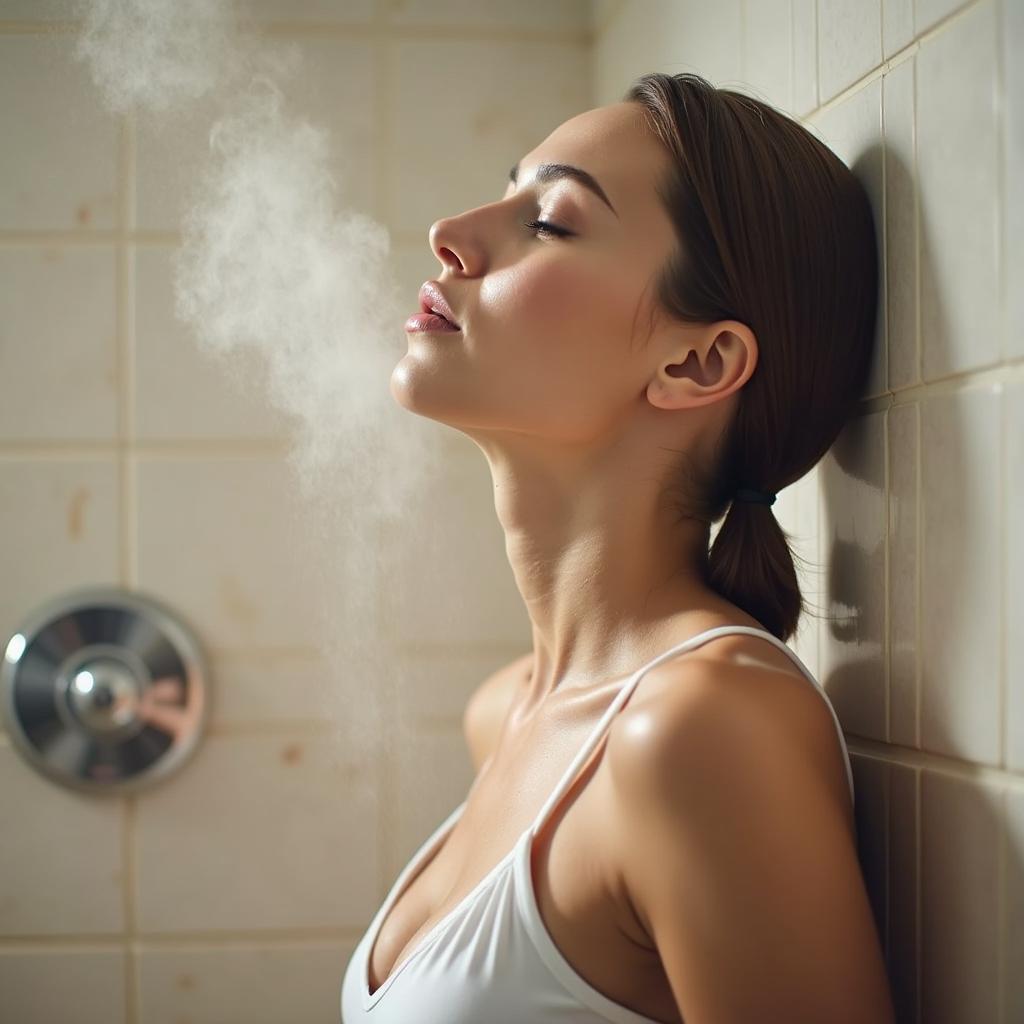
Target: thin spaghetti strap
x,y
631,684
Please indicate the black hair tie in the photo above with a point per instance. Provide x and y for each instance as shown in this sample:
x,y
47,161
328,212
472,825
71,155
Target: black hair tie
x,y
755,496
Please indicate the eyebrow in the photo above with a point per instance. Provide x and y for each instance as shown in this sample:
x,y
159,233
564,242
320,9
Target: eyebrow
x,y
555,172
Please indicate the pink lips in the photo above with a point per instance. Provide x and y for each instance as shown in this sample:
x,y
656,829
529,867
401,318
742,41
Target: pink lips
x,y
432,300
429,322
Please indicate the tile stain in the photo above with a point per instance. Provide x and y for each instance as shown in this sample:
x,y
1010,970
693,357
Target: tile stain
x,y
76,513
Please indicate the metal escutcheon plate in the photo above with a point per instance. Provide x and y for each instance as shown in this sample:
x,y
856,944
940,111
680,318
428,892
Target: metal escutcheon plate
x,y
104,690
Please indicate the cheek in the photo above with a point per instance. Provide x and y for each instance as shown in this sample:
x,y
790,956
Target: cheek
x,y
556,302
554,347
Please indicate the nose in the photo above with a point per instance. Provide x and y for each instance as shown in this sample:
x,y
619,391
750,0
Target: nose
x,y
444,244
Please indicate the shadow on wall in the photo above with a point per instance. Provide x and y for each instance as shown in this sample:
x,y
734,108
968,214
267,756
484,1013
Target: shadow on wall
x,y
957,505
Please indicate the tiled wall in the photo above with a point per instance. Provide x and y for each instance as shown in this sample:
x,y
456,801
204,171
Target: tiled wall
x,y
912,516
236,890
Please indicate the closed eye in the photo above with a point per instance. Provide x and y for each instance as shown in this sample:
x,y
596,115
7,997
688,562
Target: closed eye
x,y
545,227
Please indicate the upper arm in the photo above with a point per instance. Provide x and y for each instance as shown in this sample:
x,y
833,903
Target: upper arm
x,y
487,707
739,862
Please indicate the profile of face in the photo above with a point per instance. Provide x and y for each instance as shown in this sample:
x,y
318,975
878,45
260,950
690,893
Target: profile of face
x,y
554,327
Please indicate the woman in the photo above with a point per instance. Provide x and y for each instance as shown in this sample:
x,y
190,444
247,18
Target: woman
x,y
667,317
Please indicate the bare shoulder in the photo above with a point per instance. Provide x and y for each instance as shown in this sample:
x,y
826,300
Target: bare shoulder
x,y
713,714
740,864
488,706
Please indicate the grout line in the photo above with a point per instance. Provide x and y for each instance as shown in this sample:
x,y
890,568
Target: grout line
x,y
357,31
918,346
887,571
743,41
918,549
191,448
133,966
887,860
1002,934
185,941
792,60
125,431
886,460
817,61
38,28
918,788
1002,926
993,777
384,768
599,29
886,65
27,239
881,29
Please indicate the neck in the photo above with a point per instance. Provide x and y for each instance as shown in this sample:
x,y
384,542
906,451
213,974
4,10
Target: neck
x,y
608,574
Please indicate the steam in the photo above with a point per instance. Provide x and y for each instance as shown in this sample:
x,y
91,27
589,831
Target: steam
x,y
157,55
271,261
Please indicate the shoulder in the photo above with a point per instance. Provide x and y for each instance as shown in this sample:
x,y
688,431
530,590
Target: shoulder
x,y
739,863
725,722
488,705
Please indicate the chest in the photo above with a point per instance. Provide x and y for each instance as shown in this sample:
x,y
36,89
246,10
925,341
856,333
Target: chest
x,y
572,869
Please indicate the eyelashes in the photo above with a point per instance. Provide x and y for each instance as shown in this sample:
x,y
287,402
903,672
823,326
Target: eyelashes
x,y
545,227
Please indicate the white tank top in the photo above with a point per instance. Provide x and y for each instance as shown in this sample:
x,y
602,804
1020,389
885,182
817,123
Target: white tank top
x,y
490,960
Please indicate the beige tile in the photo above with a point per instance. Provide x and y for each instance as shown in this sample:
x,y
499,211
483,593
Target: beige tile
x,y
872,785
849,42
351,12
59,156
259,832
1011,34
435,684
218,538
521,92
60,858
799,518
262,984
902,943
1013,901
524,14
39,10
602,12
904,643
960,570
897,25
1013,483
853,131
268,686
901,227
173,150
461,589
853,530
85,986
929,12
960,827
767,41
58,350
695,36
805,57
61,531
434,773
623,51
182,390
957,145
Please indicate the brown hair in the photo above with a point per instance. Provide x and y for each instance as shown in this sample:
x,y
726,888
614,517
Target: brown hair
x,y
775,231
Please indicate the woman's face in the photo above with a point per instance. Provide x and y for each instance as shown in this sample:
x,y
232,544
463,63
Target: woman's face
x,y
552,328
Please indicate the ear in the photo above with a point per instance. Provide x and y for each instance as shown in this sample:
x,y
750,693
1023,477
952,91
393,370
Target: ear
x,y
713,361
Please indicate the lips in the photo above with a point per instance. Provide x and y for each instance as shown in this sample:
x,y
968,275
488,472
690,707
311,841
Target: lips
x,y
433,301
